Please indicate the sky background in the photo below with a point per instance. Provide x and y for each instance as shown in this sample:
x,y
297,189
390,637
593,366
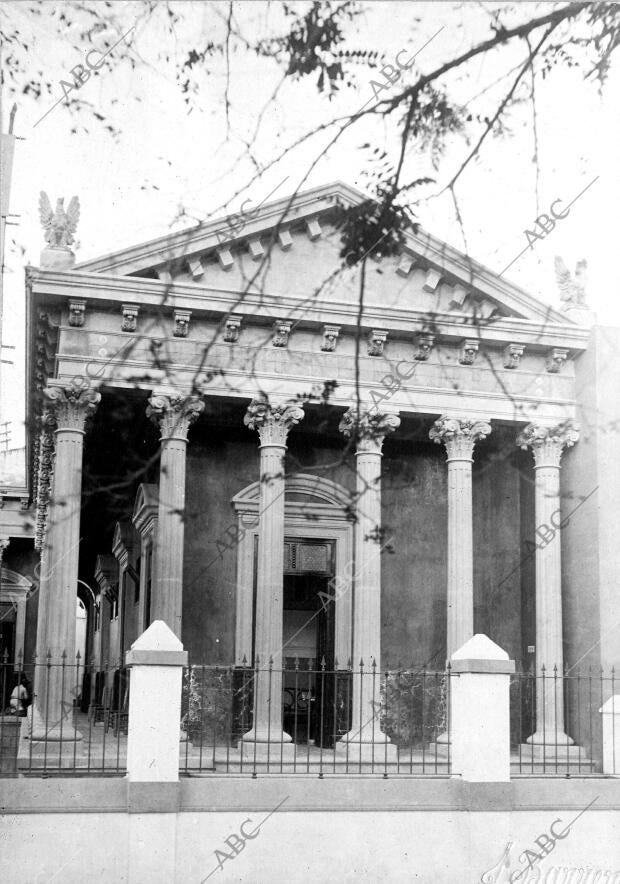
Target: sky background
x,y
168,156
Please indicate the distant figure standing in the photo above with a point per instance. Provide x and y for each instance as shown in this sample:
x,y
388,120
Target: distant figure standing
x,y
20,697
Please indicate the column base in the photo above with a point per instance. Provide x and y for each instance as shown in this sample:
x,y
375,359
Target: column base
x,y
550,738
271,751
271,736
37,731
367,746
548,756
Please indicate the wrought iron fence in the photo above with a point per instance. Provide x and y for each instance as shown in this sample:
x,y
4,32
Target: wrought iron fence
x,y
315,719
62,716
555,723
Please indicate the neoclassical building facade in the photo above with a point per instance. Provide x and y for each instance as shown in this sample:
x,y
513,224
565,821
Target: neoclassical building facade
x,y
229,428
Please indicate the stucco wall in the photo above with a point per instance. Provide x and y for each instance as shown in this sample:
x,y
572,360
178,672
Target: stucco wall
x,y
430,831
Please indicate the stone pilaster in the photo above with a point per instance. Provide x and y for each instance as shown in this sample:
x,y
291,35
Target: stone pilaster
x,y
174,414
547,444
70,405
368,430
273,423
459,435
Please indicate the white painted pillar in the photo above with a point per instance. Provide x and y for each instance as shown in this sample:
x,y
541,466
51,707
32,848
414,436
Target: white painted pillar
x,y
611,736
54,688
173,413
156,660
459,435
368,429
547,444
273,423
480,711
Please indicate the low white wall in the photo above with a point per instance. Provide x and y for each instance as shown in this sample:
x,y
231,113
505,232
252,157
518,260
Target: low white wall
x,y
430,847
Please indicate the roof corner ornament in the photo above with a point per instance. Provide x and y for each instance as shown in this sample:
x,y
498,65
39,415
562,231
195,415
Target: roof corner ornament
x,y
59,226
573,291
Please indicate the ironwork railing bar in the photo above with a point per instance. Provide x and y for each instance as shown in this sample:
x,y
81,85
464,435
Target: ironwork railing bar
x,y
579,715
613,721
385,768
308,719
590,708
75,708
601,694
555,713
269,701
448,678
321,675
47,704
334,734
295,713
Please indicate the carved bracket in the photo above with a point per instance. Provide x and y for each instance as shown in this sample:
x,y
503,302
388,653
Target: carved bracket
x,y
181,323
512,355
282,330
425,344
232,328
556,359
376,342
469,351
130,317
331,334
77,310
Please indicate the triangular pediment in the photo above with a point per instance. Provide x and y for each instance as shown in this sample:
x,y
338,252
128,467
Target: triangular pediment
x,y
290,247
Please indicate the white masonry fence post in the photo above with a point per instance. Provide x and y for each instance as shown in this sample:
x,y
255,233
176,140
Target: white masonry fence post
x,y
611,735
480,711
156,659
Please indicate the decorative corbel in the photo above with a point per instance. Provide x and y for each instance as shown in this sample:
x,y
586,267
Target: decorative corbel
x,y
130,317
232,328
282,330
469,351
556,359
77,311
512,355
330,338
376,342
425,342
181,323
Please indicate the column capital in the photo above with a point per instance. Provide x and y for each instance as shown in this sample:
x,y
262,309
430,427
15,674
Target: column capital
x,y
272,421
548,442
70,404
459,435
369,428
174,413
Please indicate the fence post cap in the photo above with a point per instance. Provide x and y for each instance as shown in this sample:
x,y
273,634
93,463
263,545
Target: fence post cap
x,y
158,637
157,646
480,647
612,706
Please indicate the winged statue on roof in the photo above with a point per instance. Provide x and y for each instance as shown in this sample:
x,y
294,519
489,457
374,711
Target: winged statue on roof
x,y
59,225
572,289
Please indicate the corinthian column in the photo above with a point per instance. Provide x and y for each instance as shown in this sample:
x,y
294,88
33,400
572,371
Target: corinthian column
x,y
369,429
547,444
55,686
173,414
459,435
273,423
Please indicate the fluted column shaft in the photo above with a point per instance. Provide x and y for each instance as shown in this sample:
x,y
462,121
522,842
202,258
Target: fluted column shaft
x,y
173,414
273,423
369,430
55,686
459,435
547,444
